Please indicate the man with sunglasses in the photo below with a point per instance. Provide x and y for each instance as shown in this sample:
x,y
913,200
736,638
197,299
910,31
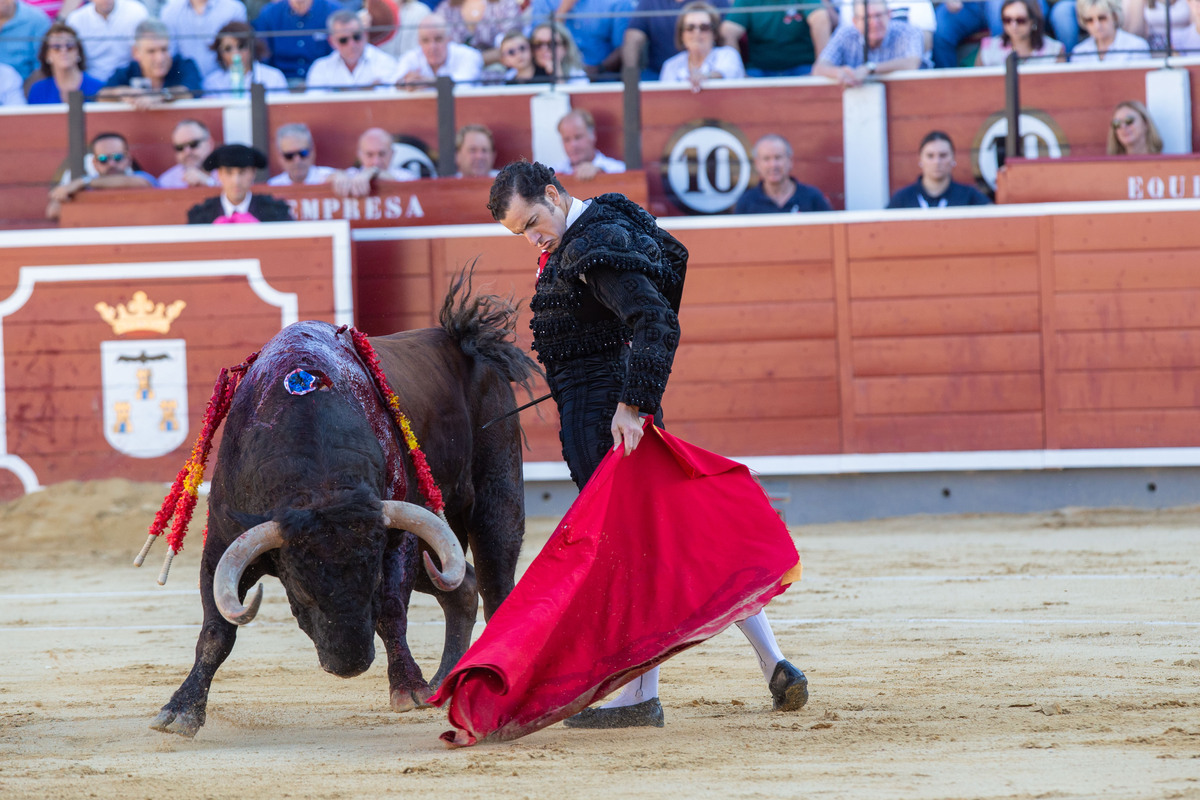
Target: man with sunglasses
x,y
294,144
354,63
113,170
192,142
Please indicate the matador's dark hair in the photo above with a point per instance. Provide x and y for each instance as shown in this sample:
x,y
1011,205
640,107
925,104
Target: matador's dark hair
x,y
525,179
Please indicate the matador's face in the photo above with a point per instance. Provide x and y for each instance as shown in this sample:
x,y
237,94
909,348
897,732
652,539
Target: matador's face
x,y
542,222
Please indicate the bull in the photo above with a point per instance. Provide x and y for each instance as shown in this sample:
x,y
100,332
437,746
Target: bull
x,y
305,488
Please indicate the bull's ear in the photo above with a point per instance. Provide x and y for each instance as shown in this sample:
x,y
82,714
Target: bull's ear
x,y
245,520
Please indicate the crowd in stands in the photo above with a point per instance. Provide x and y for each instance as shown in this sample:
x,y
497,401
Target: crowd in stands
x,y
219,47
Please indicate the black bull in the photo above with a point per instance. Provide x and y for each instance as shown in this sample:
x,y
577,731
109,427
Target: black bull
x,y
311,470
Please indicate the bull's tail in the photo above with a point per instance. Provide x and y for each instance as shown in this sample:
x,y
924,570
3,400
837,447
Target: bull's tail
x,y
484,325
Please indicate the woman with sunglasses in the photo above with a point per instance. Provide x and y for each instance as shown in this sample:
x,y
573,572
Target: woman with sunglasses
x,y
236,42
1133,132
1107,41
64,62
1024,33
699,59
555,51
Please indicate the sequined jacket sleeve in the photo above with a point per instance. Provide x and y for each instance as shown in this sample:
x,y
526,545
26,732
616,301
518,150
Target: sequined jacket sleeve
x,y
643,309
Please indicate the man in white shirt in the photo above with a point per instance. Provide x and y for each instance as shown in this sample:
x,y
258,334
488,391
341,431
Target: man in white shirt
x,y
375,150
11,91
584,161
436,55
295,148
194,24
353,63
105,29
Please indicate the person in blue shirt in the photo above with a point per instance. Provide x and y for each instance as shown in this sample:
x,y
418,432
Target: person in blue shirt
x,y
293,53
21,27
154,76
598,27
935,189
112,167
777,191
65,62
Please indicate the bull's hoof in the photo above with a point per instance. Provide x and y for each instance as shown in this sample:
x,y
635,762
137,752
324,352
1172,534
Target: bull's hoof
x,y
410,699
185,724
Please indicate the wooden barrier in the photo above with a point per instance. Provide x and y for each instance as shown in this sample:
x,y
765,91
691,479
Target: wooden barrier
x,y
1105,178
433,201
971,330
112,339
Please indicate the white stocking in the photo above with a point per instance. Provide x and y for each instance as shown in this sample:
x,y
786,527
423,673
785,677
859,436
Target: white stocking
x,y
758,631
638,690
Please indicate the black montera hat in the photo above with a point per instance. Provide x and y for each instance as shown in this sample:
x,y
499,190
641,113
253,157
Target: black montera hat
x,y
234,155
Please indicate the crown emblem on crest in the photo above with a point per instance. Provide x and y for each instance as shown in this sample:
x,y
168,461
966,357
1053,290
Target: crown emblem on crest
x,y
140,314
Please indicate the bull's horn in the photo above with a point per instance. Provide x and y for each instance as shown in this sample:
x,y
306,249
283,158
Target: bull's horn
x,y
247,547
427,527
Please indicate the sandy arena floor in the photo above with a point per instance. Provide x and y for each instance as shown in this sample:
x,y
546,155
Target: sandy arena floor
x,y
1039,656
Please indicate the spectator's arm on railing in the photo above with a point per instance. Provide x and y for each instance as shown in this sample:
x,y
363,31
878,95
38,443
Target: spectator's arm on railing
x,y
732,33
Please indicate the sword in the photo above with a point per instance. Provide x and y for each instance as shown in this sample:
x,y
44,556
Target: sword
x,y
516,410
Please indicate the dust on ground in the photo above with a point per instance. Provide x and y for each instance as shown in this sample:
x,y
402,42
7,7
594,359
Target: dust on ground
x,y
993,656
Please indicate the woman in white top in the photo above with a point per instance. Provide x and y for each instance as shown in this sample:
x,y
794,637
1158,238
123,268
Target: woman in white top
x,y
555,51
1107,41
1025,33
699,59
233,40
1149,19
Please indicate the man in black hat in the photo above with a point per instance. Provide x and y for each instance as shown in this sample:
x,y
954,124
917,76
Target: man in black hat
x,y
235,165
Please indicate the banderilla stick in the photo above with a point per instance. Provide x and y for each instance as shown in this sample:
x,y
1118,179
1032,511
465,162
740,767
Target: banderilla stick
x,y
516,411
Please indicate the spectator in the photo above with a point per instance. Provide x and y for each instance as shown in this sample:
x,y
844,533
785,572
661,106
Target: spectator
x,y
935,189
584,161
11,91
1106,41
436,55
480,23
354,63
237,38
699,60
653,35
375,151
475,152
154,76
894,46
105,28
1149,19
64,61
22,27
517,57
236,165
193,144
1025,33
1133,132
777,191
194,24
597,27
1188,40
555,53
114,170
404,39
292,53
779,43
959,19
298,153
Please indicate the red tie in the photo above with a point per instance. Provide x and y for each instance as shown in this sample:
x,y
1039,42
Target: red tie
x,y
542,259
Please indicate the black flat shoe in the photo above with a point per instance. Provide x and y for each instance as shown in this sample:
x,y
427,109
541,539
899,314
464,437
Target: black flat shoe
x,y
643,715
789,687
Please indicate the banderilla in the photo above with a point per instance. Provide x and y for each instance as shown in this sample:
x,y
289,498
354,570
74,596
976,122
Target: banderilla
x,y
516,410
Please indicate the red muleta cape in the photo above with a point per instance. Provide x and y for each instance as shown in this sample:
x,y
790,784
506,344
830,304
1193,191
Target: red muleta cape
x,y
661,550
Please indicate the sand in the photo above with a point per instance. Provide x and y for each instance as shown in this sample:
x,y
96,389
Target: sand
x,y
1003,656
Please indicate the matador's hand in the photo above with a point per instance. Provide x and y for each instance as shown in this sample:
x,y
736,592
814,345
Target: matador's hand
x,y
626,427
